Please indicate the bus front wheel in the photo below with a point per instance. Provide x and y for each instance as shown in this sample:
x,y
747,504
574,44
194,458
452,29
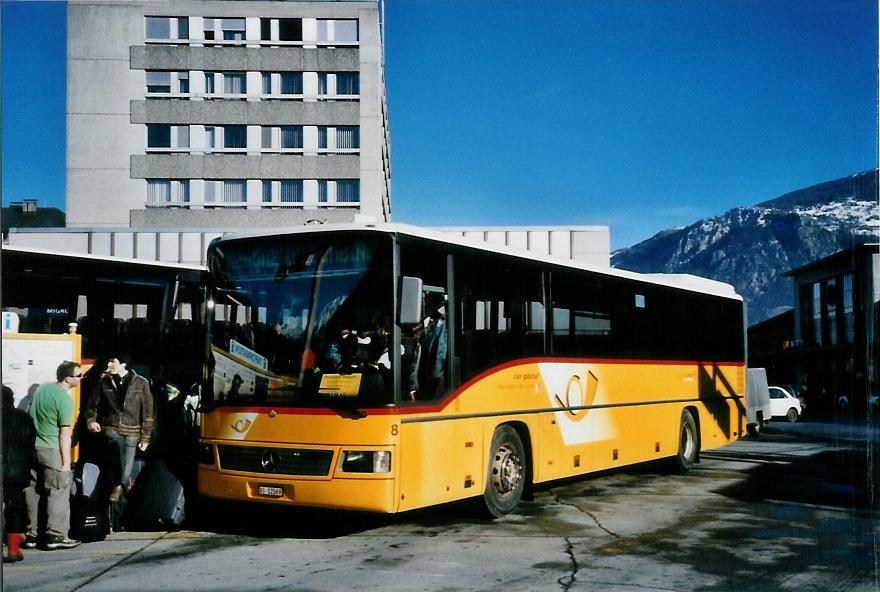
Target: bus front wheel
x,y
688,443
506,473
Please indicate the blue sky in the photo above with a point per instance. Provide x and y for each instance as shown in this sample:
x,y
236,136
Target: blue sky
x,y
639,115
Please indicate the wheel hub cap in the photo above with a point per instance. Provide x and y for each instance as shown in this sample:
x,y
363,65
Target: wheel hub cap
x,y
506,471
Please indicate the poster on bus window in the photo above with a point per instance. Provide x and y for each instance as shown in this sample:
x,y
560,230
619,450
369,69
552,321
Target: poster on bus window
x,y
31,360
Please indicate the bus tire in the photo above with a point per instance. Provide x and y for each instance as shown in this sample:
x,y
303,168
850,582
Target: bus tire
x,y
506,473
688,443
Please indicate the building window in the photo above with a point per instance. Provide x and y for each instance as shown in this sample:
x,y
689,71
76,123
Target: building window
x,y
848,309
158,191
165,192
338,30
265,29
159,28
348,191
266,87
183,191
208,25
267,191
291,83
322,138
348,138
158,82
235,191
322,190
339,84
234,83
235,136
210,87
291,136
817,313
291,191
158,135
183,27
347,83
182,136
831,296
233,29
210,137
266,137
290,29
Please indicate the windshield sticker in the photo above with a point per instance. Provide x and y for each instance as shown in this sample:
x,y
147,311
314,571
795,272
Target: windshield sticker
x,y
346,385
248,355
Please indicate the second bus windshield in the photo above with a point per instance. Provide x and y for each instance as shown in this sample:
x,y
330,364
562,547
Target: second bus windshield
x,y
302,321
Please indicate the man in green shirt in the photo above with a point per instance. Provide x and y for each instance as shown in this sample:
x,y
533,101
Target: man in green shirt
x,y
48,496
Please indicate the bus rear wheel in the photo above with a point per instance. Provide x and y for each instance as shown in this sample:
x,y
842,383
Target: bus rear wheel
x,y
506,473
688,443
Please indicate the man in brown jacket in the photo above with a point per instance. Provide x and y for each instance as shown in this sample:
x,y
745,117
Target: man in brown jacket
x,y
120,409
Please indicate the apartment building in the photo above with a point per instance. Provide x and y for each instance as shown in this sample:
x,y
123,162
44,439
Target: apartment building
x,y
225,114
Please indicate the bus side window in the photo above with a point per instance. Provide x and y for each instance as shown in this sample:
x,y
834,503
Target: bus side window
x,y
425,367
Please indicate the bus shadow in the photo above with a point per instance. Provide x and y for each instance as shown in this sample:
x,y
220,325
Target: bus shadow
x,y
238,519
841,478
231,518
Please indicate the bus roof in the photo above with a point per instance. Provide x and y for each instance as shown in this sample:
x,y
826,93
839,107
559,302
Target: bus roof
x,y
681,281
104,258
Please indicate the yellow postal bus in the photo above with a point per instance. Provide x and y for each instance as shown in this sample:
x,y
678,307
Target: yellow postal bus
x,y
386,368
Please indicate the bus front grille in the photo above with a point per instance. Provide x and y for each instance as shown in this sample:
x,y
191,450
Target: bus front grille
x,y
277,461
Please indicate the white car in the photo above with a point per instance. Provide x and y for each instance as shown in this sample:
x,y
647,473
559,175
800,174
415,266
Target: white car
x,y
782,404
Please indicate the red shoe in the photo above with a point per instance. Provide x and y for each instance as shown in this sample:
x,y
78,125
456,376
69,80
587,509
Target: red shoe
x,y
13,547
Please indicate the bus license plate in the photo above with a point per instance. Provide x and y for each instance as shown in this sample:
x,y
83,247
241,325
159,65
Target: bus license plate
x,y
270,491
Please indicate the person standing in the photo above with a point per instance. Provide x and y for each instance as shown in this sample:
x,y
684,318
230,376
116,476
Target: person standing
x,y
19,436
48,495
120,409
431,364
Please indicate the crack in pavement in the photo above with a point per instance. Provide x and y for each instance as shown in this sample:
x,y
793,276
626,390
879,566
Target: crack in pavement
x,y
590,514
572,577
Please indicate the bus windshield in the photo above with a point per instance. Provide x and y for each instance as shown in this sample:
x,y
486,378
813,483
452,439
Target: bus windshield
x,y
301,321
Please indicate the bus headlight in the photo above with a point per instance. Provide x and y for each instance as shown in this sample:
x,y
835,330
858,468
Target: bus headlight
x,y
365,461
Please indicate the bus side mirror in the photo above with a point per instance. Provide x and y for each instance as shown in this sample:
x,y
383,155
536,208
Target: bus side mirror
x,y
410,313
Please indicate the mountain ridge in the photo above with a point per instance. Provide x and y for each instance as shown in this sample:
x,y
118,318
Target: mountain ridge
x,y
752,247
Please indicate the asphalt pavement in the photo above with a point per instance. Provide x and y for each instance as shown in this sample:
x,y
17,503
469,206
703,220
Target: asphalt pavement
x,y
793,510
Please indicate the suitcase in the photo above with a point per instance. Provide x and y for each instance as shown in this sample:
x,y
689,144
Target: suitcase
x,y
89,513
157,500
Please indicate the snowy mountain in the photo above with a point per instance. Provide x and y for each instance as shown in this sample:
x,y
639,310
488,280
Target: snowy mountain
x,y
753,247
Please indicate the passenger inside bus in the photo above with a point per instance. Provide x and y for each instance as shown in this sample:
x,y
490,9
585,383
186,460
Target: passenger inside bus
x,y
429,366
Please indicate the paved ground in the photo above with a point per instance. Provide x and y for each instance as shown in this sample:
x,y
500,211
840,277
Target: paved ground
x,y
794,510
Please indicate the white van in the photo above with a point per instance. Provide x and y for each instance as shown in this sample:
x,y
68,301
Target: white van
x,y
758,408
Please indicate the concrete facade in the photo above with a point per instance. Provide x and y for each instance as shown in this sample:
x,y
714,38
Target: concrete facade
x,y
590,244
148,138
171,243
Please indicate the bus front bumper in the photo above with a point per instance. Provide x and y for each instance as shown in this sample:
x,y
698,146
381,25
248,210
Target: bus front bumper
x,y
367,494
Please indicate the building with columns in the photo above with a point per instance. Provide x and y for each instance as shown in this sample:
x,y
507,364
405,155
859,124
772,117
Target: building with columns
x,y
225,114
